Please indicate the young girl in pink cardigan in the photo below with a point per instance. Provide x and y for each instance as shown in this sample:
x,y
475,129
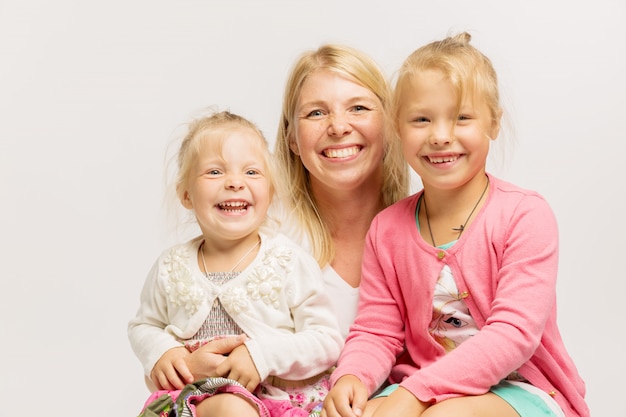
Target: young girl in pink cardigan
x,y
457,304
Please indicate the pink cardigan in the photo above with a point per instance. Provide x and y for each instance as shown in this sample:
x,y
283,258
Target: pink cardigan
x,y
505,264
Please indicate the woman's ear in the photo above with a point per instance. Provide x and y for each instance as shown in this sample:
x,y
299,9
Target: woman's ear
x,y
293,145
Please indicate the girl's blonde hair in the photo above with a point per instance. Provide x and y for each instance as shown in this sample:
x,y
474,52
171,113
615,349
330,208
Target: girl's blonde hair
x,y
207,128
357,66
471,73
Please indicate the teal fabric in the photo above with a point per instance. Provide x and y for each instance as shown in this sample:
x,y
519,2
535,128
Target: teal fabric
x,y
386,392
525,403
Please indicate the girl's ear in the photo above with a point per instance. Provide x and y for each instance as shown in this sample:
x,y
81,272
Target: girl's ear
x,y
185,200
495,125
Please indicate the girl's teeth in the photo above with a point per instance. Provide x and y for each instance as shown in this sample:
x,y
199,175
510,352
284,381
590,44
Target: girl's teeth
x,y
441,160
233,206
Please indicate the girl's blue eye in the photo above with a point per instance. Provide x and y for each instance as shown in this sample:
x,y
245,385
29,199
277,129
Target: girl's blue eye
x,y
315,113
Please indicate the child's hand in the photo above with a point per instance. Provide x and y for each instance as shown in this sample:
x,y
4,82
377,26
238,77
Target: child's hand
x,y
240,367
203,362
171,371
346,399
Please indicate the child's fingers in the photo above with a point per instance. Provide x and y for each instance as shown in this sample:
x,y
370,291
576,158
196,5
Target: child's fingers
x,y
225,345
183,375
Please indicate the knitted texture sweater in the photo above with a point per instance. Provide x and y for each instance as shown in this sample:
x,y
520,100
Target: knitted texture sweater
x,y
505,267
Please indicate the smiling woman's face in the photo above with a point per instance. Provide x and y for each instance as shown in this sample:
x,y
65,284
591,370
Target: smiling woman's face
x,y
338,131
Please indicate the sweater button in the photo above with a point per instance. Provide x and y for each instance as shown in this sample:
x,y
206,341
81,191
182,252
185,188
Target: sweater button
x,y
441,254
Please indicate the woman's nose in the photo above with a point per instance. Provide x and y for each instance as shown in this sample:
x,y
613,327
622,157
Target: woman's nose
x,y
339,126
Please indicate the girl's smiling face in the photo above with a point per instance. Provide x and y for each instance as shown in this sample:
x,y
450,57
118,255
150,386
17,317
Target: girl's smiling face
x,y
229,190
445,143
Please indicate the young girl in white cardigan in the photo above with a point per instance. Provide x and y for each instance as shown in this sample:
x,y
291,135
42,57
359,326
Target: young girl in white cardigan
x,y
241,278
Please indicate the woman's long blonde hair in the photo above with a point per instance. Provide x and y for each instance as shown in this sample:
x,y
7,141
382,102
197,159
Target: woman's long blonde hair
x,y
359,67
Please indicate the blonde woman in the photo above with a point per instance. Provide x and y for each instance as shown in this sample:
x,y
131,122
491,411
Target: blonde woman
x,y
338,151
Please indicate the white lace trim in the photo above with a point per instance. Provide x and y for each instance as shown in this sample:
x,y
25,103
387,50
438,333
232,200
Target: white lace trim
x,y
181,288
265,282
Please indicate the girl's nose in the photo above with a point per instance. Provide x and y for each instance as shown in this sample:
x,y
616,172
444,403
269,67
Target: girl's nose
x,y
441,134
234,182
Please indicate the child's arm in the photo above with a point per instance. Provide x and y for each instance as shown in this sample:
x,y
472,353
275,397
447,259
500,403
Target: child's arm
x,y
300,338
146,332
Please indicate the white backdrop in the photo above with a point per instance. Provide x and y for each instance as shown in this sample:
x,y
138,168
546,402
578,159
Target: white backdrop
x,y
91,94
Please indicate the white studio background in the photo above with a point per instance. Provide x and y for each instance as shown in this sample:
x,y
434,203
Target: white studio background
x,y
92,93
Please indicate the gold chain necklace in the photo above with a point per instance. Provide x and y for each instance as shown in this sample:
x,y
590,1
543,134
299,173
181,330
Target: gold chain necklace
x,y
459,229
206,271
